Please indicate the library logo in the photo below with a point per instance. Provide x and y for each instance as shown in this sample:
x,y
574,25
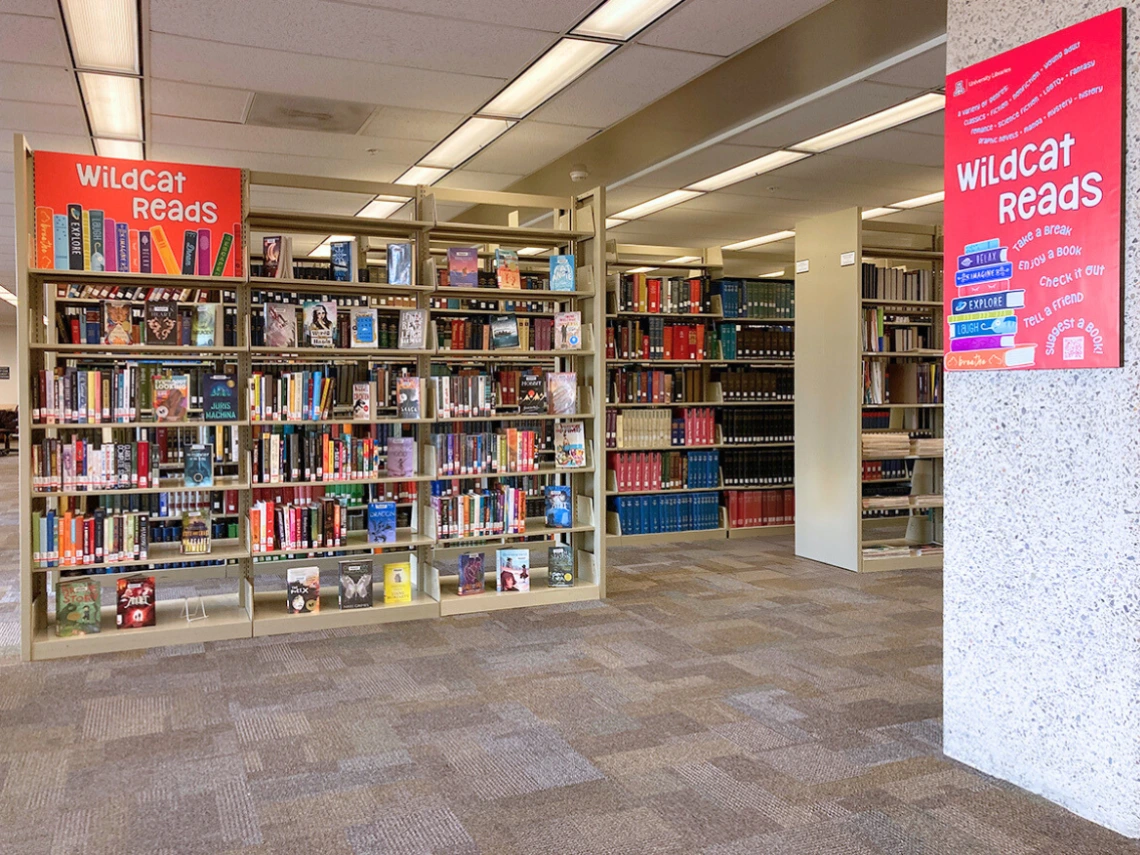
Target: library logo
x,y
959,88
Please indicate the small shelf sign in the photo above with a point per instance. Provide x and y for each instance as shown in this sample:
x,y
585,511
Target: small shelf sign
x,y
847,259
802,266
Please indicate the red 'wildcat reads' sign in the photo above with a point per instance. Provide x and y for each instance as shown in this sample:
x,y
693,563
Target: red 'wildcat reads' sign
x,y
137,216
1033,203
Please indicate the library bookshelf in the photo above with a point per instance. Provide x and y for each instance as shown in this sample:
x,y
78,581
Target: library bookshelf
x,y
869,394
670,404
238,589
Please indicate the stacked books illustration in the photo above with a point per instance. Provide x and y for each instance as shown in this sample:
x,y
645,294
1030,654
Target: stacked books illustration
x,y
983,317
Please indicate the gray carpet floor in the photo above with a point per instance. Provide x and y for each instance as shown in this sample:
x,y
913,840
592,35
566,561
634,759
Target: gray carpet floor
x,y
727,699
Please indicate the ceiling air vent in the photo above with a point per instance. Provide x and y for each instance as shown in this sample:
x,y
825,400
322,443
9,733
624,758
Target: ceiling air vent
x,y
271,110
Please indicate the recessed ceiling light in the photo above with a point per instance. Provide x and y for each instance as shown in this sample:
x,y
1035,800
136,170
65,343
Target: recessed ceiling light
x,y
760,241
382,206
126,149
533,250
114,104
422,175
103,34
908,111
875,213
921,201
614,222
554,70
658,204
748,170
465,141
620,19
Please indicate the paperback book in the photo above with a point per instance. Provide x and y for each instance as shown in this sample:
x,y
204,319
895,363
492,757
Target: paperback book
x,y
532,393
471,573
562,273
504,332
381,522
78,610
507,268
560,567
361,401
204,325
562,392
198,466
320,323
277,257
160,322
171,398
397,582
363,326
408,397
196,532
413,329
355,584
558,509
399,264
135,603
342,259
117,326
569,445
303,590
280,325
512,570
401,456
220,398
568,331
463,267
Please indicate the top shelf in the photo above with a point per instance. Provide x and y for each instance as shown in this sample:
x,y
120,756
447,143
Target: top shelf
x,y
517,294
267,282
521,234
105,277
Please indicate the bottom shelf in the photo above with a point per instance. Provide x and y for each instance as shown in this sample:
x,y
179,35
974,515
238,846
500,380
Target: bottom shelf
x,y
915,558
270,617
618,540
540,594
760,531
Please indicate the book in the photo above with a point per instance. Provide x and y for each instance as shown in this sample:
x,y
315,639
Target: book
x,y
397,582
362,326
568,331
471,573
559,567
413,329
117,326
342,260
220,398
319,323
135,603
558,511
507,268
569,445
981,360
399,258
408,397
78,610
280,325
204,325
303,590
562,272
271,247
362,400
504,332
532,393
160,322
381,522
401,456
196,532
198,466
463,267
562,392
512,570
171,398
355,584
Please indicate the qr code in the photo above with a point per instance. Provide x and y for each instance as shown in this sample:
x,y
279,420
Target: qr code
x,y
1073,347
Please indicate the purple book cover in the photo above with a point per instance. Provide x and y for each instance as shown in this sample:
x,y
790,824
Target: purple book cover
x,y
981,342
123,246
401,457
110,257
204,266
144,251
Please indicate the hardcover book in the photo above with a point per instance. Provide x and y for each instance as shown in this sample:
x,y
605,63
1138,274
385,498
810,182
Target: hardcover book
x,y
507,268
342,259
400,264
562,391
504,332
171,398
397,582
320,323
205,325
408,397
198,468
401,456
381,522
78,610
280,325
568,331
355,584
512,570
558,509
413,329
303,590
562,273
532,393
463,267
134,606
220,398
362,400
271,256
363,326
471,573
569,445
196,532
560,567
160,322
117,327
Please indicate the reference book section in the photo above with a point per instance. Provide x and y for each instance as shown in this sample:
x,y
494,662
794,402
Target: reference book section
x,y
219,439
699,398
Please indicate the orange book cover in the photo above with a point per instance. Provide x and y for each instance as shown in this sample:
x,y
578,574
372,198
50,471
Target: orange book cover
x,y
45,238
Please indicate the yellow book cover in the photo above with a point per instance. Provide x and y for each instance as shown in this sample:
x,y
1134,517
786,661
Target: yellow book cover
x,y
86,240
398,582
158,237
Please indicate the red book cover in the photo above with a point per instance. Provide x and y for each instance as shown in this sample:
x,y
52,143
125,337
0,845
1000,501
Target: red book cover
x,y
73,325
143,465
611,352
700,340
695,295
668,342
654,288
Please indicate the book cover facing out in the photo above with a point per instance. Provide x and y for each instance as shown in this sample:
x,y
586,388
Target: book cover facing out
x,y
408,397
220,398
463,267
303,590
280,325
198,466
532,393
559,567
569,445
363,326
507,269
401,456
399,258
135,602
512,570
356,584
504,332
171,398
558,506
397,582
562,273
160,322
471,573
381,522
78,610
413,329
320,323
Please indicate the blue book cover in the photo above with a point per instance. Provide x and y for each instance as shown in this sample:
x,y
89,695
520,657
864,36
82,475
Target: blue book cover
x,y
122,246
220,399
381,522
982,259
340,255
989,326
988,302
59,224
558,506
562,273
982,246
983,274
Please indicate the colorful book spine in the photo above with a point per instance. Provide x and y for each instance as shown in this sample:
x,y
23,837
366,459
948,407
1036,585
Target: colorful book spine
x,y
223,255
165,253
122,246
109,240
204,250
61,259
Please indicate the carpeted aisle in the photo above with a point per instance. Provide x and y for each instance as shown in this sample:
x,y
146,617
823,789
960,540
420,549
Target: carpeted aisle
x,y
726,700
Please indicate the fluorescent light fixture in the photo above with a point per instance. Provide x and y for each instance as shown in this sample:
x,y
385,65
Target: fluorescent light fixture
x,y
382,206
640,269
554,70
775,274
760,241
104,34
114,105
422,175
465,141
620,19
533,250
658,204
684,259
875,213
8,297
324,250
908,111
748,170
126,149
921,201
614,222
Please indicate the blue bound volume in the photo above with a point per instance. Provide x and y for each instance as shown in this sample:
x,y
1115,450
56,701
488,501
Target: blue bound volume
x,y
988,302
990,326
983,274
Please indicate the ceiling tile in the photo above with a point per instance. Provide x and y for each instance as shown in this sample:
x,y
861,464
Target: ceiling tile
x,y
43,141
702,164
631,79
276,162
189,100
934,124
33,40
323,30
528,146
826,169
926,71
305,201
405,123
36,8
554,16
898,147
25,116
723,27
44,84
262,70
468,179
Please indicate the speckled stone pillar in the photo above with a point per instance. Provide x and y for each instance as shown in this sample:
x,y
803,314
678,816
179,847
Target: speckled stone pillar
x,y
1042,479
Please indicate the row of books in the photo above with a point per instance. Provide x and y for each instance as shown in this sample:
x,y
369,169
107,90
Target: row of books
x,y
318,524
358,495
355,588
769,424
652,428
77,464
480,512
349,391
462,271
638,292
563,332
664,514
386,304
885,470
880,335
738,341
758,508
143,293
657,338
533,390
504,450
758,466
901,382
130,392
773,384
171,531
745,299
513,570
162,323
898,283
329,453
665,470
321,323
629,385
886,444
79,608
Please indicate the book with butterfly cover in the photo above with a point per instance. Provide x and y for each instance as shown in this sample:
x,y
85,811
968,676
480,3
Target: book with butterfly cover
x,y
471,573
280,325
397,582
117,324
303,590
356,584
